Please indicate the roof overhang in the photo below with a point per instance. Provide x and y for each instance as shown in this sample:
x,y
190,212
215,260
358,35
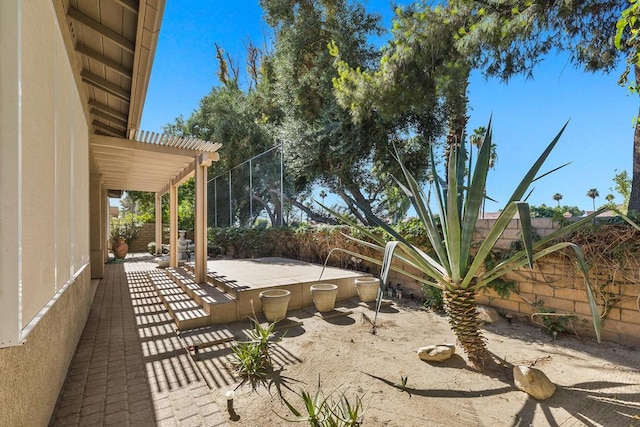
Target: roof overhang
x,y
111,45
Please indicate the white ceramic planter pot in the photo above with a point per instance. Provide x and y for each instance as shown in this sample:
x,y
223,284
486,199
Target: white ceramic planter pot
x,y
324,296
275,303
367,288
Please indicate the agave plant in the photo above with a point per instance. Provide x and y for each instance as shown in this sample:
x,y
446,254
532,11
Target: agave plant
x,y
456,264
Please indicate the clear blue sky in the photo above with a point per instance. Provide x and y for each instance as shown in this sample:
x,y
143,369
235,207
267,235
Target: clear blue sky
x,y
526,113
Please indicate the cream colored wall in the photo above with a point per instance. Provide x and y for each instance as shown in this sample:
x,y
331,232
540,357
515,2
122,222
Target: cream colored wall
x,y
45,285
55,177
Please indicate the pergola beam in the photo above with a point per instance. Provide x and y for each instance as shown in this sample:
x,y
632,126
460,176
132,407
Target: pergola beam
x,y
179,179
113,65
104,31
126,144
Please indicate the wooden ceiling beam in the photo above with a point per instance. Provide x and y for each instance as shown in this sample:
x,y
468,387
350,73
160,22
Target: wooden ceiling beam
x,y
105,85
130,5
116,121
107,128
105,108
112,65
103,30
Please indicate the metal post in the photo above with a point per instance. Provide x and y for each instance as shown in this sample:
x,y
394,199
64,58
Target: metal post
x,y
281,184
230,205
250,192
215,203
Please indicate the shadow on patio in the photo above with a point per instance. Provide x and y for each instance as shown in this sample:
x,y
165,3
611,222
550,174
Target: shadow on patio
x,y
129,367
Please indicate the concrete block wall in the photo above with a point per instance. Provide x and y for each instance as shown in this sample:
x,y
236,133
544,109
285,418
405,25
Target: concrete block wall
x,y
560,285
147,234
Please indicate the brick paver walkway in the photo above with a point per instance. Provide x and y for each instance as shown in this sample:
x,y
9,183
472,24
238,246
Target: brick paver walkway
x,y
129,367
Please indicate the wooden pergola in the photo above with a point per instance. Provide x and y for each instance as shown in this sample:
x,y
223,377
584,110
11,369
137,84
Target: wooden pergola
x,y
160,163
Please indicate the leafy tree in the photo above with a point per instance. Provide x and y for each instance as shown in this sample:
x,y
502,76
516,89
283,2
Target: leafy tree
x,y
420,80
623,187
509,37
593,194
323,146
557,197
557,213
610,198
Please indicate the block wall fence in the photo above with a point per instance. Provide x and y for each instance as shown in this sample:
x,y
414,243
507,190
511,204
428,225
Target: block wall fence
x,y
558,283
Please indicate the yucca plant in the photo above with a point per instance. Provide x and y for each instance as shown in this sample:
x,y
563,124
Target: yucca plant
x,y
456,264
325,411
252,359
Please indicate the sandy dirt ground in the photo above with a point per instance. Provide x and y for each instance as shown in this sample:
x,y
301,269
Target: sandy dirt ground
x,y
597,384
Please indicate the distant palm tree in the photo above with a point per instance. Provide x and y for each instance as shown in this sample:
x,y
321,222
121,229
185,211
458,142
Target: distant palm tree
x,y
593,193
609,198
322,195
557,197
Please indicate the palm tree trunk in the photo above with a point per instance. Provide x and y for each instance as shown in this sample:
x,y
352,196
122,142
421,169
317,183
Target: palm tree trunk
x,y
634,199
463,318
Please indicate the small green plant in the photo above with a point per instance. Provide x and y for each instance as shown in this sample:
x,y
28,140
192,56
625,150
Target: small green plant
x,y
403,383
252,359
433,298
125,228
555,323
323,411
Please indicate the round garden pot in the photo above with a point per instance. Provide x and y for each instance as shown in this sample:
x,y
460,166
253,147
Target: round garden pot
x,y
275,303
120,249
367,288
324,296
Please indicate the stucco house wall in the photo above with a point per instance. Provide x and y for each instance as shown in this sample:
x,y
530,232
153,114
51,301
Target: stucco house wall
x,y
45,289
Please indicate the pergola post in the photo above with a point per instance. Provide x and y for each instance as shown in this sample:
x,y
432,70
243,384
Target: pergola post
x,y
200,234
158,224
173,225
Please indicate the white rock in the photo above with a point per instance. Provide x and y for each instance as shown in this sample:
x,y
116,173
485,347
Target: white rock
x,y
436,353
533,382
488,314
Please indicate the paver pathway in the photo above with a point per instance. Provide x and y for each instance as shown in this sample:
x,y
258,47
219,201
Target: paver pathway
x,y
129,367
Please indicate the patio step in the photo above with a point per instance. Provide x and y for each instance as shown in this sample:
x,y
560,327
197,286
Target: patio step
x,y
185,312
220,306
219,281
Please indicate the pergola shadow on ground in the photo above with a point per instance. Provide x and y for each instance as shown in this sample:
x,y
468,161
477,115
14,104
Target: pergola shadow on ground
x,y
129,367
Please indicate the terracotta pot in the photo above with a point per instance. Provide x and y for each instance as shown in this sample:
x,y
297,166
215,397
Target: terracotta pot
x,y
120,249
275,303
367,288
324,296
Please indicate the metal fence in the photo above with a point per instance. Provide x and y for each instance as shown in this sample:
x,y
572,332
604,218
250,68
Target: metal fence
x,y
249,193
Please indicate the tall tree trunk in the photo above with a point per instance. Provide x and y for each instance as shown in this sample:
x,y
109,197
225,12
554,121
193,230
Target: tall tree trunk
x,y
463,318
634,199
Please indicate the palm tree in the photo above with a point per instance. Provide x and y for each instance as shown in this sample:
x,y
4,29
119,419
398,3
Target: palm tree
x,y
455,265
610,198
322,195
557,197
593,193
